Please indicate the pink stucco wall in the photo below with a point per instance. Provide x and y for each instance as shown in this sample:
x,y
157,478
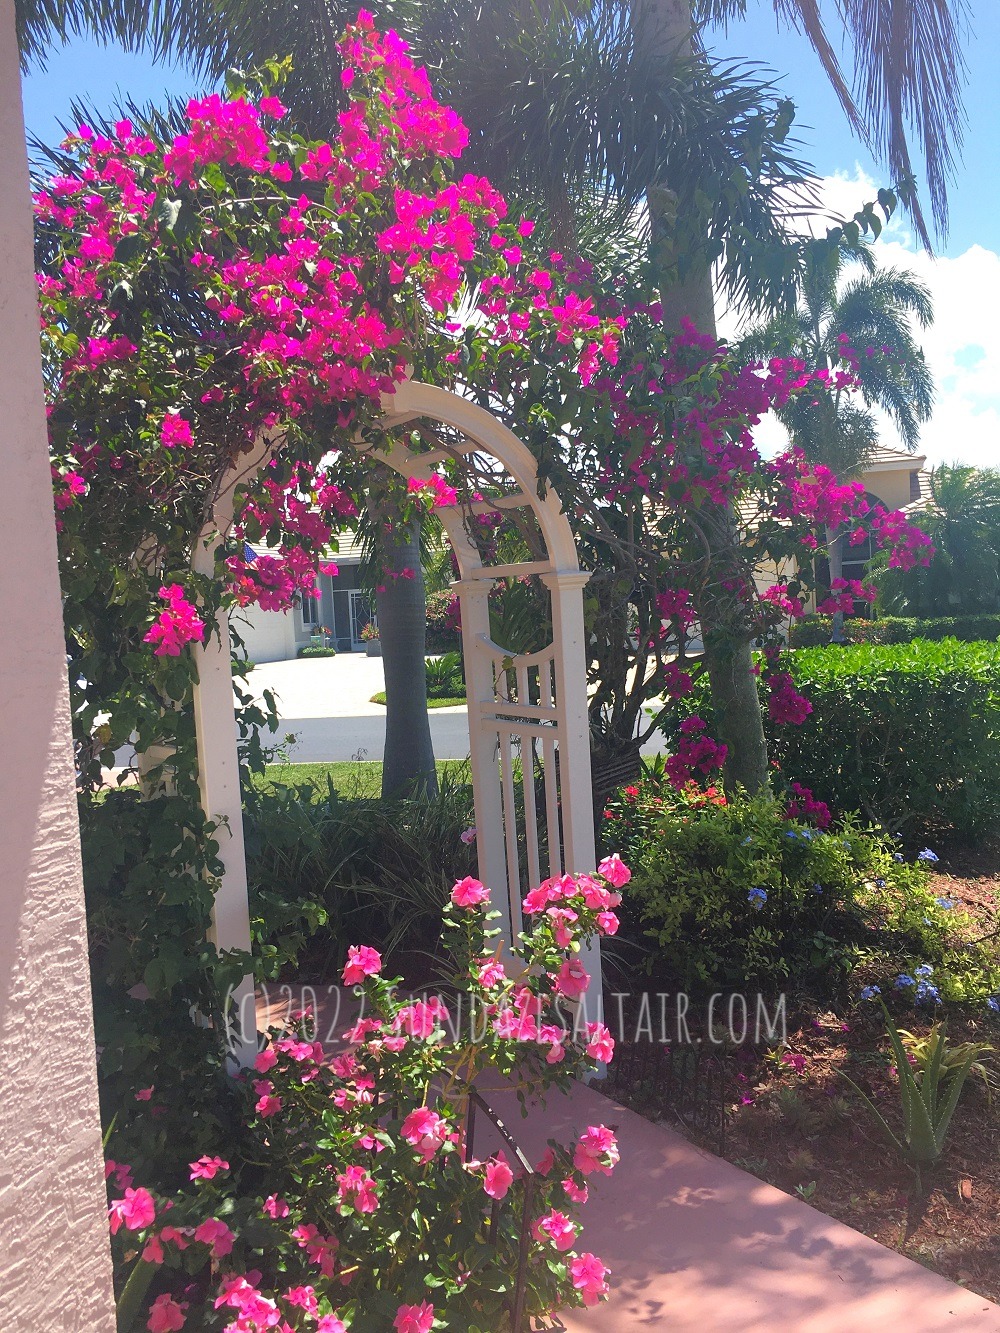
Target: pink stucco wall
x,y
54,1259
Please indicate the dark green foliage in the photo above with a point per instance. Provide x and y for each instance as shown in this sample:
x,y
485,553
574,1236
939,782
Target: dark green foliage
x,y
442,637
908,735
354,866
694,880
814,631
444,677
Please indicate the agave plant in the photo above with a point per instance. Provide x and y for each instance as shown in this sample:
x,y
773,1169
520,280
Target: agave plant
x,y
929,1089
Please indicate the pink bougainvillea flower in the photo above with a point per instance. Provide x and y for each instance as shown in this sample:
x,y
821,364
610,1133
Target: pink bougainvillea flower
x,y
174,431
166,1315
178,625
134,1210
499,1176
614,870
414,1318
469,892
207,1168
362,962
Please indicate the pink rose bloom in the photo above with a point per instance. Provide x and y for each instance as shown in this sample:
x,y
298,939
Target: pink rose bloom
x,y
499,1176
546,1162
572,979
216,1235
555,1227
578,1193
144,1094
491,973
362,962
469,892
607,923
166,1315
135,1210
414,1318
265,1061
425,1130
600,1043
614,870
589,1276
596,1150
207,1168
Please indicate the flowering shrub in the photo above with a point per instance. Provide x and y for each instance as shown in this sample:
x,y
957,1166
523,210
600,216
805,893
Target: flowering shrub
x,y
354,1200
762,891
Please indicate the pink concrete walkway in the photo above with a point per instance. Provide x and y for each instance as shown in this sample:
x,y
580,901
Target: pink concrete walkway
x,y
697,1246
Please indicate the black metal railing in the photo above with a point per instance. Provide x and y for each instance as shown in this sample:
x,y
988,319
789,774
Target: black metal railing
x,y
686,1082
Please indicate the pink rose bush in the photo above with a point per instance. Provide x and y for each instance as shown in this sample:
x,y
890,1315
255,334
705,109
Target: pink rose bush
x,y
355,1199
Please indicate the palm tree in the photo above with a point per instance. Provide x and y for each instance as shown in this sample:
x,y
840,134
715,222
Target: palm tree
x,y
613,95
962,518
872,309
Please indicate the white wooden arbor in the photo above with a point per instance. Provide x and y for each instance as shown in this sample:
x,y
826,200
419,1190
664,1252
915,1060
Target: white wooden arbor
x,y
530,705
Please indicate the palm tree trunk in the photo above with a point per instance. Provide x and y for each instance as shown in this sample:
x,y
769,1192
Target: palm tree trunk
x,y
408,766
667,27
835,556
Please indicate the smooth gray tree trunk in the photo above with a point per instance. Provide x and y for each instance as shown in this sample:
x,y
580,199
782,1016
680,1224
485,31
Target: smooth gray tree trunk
x,y
408,767
667,26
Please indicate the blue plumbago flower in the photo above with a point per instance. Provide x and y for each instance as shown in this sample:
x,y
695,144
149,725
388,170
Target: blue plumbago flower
x,y
927,855
903,980
758,897
817,888
880,883
897,856
869,992
747,840
946,903
924,970
993,1003
927,994
791,833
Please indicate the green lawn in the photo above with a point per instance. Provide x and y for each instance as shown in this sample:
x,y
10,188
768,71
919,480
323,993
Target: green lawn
x,y
351,778
431,703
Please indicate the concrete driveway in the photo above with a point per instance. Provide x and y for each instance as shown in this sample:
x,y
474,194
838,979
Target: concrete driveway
x,y
325,704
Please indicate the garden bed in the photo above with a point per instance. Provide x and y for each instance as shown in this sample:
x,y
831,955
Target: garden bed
x,y
793,1120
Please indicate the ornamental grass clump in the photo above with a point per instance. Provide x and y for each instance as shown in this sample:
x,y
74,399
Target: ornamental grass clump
x,y
353,1200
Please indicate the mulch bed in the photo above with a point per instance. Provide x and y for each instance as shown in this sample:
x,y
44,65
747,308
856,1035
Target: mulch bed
x,y
797,1124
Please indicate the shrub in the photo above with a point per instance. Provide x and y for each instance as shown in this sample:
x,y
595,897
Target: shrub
x,y
908,735
444,677
316,650
363,863
349,1199
738,893
814,631
443,635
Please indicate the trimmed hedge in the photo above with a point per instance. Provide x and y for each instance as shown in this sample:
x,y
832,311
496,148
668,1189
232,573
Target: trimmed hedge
x,y
909,735
814,631
316,650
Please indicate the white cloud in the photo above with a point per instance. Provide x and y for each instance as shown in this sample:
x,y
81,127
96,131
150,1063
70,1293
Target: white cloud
x,y
962,345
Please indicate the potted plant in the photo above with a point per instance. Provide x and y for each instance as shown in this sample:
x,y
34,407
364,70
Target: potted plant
x,y
320,636
370,638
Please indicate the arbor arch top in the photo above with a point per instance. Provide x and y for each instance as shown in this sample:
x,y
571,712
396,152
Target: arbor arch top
x,y
528,733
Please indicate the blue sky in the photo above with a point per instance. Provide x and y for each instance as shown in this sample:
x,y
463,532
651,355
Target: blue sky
x,y
963,346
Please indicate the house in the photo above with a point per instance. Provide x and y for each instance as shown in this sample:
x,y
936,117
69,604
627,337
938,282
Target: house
x,y
342,606
894,479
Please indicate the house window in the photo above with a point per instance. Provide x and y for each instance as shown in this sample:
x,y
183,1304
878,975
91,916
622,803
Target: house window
x,y
310,609
914,486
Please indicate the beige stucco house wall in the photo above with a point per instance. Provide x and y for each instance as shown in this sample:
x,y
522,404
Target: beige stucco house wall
x,y
55,1272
